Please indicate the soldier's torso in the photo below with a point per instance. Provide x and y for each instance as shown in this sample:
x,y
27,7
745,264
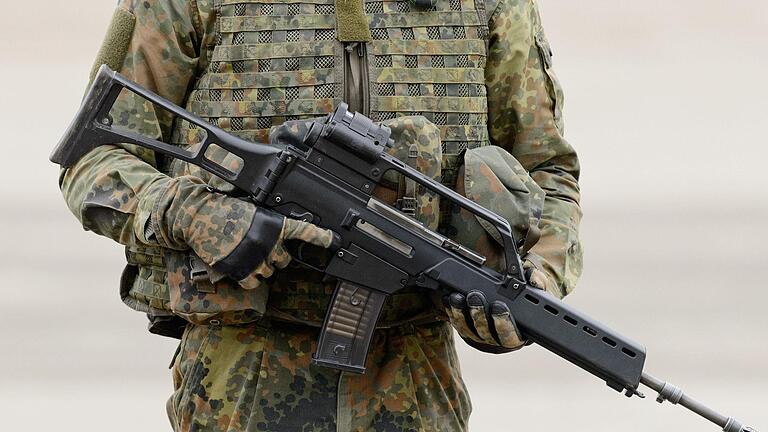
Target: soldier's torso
x,y
279,60
274,61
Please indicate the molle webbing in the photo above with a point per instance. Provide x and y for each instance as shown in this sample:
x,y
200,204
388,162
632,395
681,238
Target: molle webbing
x,y
431,63
274,61
281,60
144,284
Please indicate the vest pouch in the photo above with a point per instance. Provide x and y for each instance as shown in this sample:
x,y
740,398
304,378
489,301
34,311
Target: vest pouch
x,y
493,178
203,296
417,143
142,284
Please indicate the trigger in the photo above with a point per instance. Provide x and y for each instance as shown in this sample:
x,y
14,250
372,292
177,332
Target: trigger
x,y
302,216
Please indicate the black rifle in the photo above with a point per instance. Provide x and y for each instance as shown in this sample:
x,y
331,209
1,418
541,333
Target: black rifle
x,y
328,179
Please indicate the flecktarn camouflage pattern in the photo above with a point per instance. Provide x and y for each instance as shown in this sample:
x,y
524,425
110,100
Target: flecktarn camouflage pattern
x,y
462,75
259,378
525,117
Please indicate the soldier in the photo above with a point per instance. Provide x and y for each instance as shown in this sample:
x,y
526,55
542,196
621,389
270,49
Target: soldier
x,y
468,90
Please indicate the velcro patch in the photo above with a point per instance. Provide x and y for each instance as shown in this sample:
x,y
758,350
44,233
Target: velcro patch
x,y
116,42
351,22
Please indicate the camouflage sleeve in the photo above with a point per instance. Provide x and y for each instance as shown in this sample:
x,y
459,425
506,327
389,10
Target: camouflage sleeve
x,y
525,117
157,43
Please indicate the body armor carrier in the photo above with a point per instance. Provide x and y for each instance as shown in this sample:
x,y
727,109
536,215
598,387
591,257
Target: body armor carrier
x,y
279,60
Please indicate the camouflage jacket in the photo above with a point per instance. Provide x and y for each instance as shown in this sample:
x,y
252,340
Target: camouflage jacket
x,y
166,46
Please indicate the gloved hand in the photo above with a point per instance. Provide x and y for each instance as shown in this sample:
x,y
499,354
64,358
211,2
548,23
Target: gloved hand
x,y
489,328
231,235
278,257
538,278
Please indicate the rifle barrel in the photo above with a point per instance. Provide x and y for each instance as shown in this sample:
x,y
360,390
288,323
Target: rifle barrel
x,y
675,395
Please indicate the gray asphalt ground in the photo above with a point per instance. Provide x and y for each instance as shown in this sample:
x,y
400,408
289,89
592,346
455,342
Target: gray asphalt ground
x,y
666,105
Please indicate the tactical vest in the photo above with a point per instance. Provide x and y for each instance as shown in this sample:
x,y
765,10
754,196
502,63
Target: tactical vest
x,y
280,60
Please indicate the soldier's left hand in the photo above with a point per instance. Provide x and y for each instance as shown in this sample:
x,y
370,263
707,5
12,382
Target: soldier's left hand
x,y
486,327
489,327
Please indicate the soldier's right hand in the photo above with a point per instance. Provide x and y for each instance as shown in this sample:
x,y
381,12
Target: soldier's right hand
x,y
279,257
232,236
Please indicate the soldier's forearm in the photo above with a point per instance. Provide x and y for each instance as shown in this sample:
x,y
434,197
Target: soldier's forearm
x,y
525,117
103,191
559,247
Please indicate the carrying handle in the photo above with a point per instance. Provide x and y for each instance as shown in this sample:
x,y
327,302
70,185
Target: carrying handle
x,y
366,140
348,328
512,260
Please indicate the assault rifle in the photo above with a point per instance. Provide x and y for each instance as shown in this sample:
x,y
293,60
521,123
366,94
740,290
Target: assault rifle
x,y
328,178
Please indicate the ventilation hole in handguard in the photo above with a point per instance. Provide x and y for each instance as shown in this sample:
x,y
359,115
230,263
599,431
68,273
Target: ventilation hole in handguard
x,y
531,299
629,352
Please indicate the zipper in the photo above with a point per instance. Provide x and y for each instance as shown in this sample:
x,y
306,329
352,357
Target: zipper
x,y
356,78
362,52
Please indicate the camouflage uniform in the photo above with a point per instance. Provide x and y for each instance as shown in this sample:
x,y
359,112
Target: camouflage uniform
x,y
486,113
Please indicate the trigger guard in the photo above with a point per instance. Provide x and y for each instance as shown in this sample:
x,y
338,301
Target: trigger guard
x,y
309,255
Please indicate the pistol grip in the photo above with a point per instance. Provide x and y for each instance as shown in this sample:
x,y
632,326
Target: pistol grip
x,y
348,327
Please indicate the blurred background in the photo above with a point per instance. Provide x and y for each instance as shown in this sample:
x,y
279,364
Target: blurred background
x,y
666,104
